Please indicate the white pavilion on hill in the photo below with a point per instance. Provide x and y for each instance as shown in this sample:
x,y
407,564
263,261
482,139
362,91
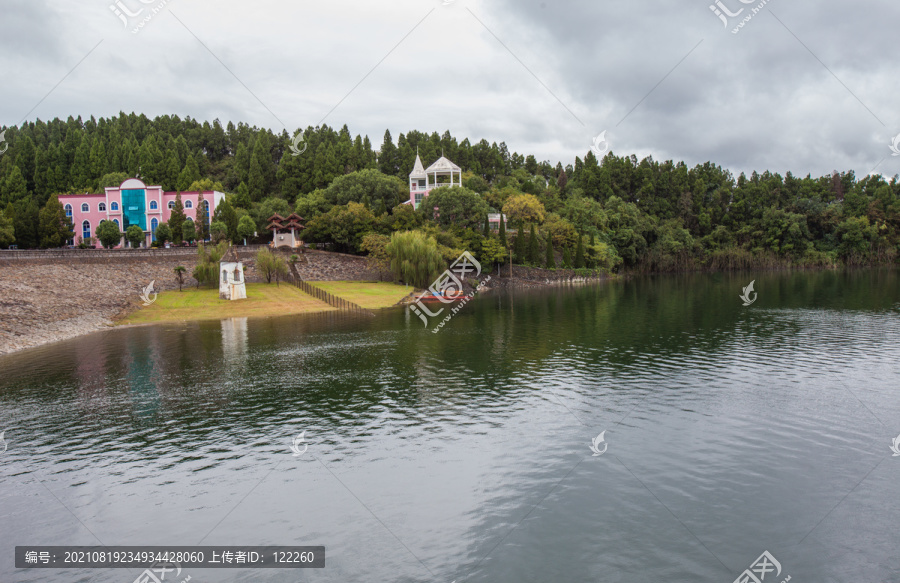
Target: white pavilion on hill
x,y
423,180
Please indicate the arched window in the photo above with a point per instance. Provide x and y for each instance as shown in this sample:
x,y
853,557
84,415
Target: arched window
x,y
101,207
116,221
188,204
153,205
68,210
206,209
114,206
153,224
171,204
85,230
85,207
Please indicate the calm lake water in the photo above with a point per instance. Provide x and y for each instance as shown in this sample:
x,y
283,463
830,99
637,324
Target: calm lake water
x,y
465,455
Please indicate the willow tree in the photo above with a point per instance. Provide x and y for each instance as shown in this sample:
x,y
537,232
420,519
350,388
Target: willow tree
x,y
415,258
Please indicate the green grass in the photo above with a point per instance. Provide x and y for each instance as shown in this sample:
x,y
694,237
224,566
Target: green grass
x,y
368,294
204,304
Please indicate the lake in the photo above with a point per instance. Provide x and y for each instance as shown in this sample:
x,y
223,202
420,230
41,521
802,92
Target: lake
x,y
465,455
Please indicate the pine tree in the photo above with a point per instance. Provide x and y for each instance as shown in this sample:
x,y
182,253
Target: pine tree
x,y
189,174
176,219
579,252
589,258
550,261
503,241
519,248
242,197
387,158
42,176
487,228
16,188
25,222
201,223
533,249
567,258
55,226
256,182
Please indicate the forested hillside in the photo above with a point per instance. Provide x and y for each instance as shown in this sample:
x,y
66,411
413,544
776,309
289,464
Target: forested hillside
x,y
610,213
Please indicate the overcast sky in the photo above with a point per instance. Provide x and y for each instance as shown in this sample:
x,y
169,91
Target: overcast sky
x,y
808,86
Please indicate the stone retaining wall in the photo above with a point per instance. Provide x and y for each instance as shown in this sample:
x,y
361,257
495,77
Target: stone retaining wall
x,y
48,299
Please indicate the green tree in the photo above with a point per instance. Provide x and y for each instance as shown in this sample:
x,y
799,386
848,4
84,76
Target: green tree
x,y
55,226
7,228
16,188
108,233
201,223
533,249
163,234
26,221
112,180
135,236
246,228
375,246
493,252
269,265
567,258
454,206
519,245
487,228
188,231
579,253
189,174
342,225
550,261
177,219
218,231
415,258
503,241
208,257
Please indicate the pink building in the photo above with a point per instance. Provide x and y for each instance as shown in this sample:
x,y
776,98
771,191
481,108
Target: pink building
x,y
422,181
133,203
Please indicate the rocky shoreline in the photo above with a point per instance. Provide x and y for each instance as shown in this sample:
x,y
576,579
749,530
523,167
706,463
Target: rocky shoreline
x,y
54,299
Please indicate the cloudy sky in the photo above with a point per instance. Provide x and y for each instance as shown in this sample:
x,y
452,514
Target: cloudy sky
x,y
803,86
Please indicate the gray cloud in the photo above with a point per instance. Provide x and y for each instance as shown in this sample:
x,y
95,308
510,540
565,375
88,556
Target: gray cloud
x,y
755,100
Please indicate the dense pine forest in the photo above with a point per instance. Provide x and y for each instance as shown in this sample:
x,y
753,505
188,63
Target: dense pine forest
x,y
610,214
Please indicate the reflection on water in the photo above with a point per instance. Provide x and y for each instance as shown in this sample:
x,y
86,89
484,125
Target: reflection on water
x,y
465,455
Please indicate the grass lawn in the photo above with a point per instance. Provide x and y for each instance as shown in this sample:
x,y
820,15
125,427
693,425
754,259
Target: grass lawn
x,y
368,294
204,304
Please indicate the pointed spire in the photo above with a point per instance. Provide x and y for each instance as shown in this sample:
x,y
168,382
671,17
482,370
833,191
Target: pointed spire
x,y
418,169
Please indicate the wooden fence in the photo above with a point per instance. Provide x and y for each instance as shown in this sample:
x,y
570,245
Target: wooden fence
x,y
330,299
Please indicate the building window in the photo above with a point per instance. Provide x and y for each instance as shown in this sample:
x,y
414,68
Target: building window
x,y
101,207
206,210
153,205
171,204
68,210
419,198
116,221
188,204
113,206
85,207
153,224
85,230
